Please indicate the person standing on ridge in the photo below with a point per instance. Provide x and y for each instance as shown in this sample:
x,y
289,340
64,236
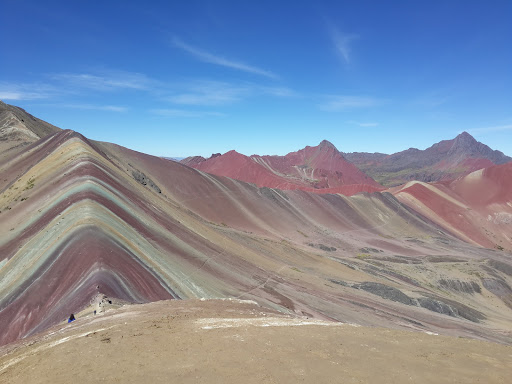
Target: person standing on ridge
x,y
71,318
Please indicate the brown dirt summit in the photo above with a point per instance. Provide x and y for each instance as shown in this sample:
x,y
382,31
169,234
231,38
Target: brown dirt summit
x,y
233,341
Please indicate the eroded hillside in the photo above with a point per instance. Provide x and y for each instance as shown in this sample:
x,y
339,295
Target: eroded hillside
x,y
81,218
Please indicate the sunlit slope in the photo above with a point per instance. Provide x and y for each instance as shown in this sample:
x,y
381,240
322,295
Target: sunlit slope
x,y
314,254
73,225
477,208
18,129
80,218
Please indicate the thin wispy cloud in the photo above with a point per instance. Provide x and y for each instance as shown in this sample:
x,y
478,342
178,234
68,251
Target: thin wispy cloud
x,y
210,93
80,90
341,103
108,108
185,113
211,58
363,125
496,128
26,91
73,84
15,95
108,81
112,108
342,43
279,92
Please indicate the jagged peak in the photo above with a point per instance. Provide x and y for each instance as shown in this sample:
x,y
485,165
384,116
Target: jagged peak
x,y
465,136
327,144
466,143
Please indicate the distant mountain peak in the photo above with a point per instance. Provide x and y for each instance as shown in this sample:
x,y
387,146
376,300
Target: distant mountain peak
x,y
444,160
327,144
465,137
465,144
233,152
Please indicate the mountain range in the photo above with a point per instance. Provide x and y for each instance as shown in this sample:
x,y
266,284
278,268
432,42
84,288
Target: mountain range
x,y
445,160
324,169
83,221
321,169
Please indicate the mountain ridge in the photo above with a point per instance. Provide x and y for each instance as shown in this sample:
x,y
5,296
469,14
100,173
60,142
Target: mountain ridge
x,y
38,127
318,169
447,159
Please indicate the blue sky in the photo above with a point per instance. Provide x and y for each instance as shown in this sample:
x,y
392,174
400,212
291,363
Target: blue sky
x,y
191,78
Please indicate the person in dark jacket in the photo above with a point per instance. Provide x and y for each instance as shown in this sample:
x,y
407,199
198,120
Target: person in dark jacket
x,y
71,318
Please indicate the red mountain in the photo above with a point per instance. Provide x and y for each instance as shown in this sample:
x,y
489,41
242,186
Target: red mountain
x,y
320,169
477,207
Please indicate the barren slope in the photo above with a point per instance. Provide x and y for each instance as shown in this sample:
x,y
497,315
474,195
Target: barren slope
x,y
81,219
477,208
18,129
